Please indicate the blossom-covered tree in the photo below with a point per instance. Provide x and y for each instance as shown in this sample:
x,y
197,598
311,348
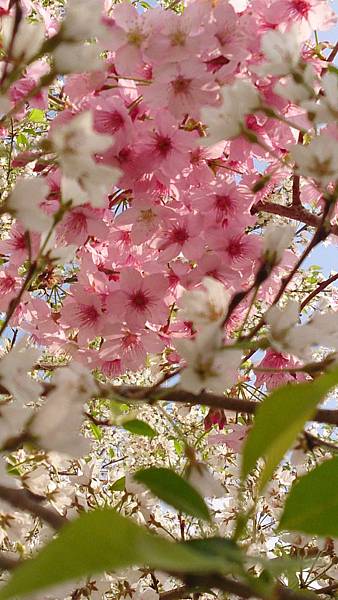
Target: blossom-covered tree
x,y
168,350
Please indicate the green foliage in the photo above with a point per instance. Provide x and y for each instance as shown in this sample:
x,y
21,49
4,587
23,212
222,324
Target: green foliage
x,y
96,431
139,427
119,485
279,420
98,541
312,506
37,116
224,549
174,490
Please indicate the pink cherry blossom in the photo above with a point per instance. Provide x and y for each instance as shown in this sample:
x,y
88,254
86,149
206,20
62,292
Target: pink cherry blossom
x,y
17,244
84,312
128,37
128,348
182,235
239,249
183,88
276,360
82,223
139,299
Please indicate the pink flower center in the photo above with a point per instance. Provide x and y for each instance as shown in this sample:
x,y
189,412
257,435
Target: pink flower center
x,y
18,241
139,301
163,144
125,155
178,38
131,343
87,314
222,203
235,247
179,235
181,85
115,119
300,8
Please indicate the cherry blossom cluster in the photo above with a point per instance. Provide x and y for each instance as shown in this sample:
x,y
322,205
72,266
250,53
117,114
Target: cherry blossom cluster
x,y
148,172
166,172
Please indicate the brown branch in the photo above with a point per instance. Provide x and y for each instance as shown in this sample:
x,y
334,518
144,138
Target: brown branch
x,y
178,593
26,501
329,590
333,53
320,288
148,394
8,564
315,442
295,213
205,583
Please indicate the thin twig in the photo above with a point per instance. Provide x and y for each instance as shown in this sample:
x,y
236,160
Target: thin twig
x,y
320,288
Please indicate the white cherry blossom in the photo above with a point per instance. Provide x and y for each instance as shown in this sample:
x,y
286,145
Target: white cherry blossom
x,y
24,202
83,20
14,368
57,423
83,179
282,51
226,121
318,160
209,366
325,109
205,305
27,41
275,241
75,58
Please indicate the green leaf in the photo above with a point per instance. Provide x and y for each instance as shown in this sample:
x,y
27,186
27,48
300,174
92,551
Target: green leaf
x,y
96,431
37,116
98,541
139,428
119,485
21,139
223,548
312,505
179,447
279,420
174,490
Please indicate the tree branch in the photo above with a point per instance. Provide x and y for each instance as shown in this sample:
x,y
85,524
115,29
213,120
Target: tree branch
x,y
8,564
333,53
204,583
295,213
320,288
315,442
148,394
26,501
176,594
328,590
